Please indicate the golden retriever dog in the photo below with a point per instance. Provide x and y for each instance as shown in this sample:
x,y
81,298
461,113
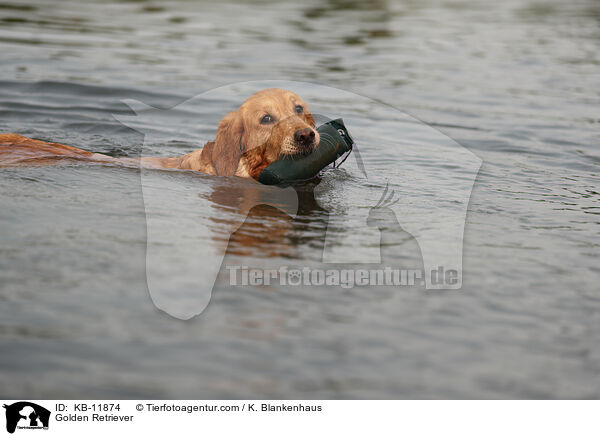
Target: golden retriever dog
x,y
269,125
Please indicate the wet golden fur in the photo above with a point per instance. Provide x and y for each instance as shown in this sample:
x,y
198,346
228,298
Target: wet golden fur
x,y
243,145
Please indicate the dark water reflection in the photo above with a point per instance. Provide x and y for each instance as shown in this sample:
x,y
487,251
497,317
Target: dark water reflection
x,y
268,231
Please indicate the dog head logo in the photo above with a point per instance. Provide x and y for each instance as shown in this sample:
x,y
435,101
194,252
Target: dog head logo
x,y
26,415
424,179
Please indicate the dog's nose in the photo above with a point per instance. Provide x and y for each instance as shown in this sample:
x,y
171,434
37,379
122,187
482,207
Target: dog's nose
x,y
304,136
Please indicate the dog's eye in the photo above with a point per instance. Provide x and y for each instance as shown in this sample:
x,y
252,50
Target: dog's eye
x,y
266,119
299,109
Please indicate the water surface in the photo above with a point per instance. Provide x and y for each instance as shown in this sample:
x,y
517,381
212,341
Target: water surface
x,y
516,83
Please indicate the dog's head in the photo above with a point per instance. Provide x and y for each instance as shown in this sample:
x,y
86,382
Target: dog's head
x,y
272,122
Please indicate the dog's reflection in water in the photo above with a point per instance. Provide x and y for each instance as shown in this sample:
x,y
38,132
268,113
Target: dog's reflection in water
x,y
274,220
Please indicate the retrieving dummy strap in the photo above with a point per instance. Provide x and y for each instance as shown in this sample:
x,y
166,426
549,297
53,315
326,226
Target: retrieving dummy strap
x,y
335,143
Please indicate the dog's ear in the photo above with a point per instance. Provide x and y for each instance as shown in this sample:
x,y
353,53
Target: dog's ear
x,y
229,144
